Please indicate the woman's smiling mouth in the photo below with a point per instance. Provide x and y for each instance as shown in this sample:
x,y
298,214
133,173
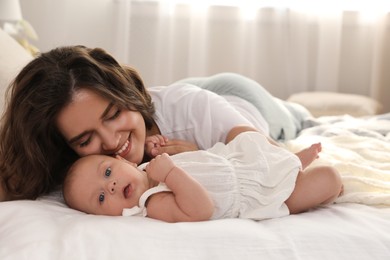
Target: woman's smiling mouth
x,y
125,149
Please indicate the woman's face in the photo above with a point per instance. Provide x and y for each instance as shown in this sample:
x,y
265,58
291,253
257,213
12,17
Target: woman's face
x,y
92,124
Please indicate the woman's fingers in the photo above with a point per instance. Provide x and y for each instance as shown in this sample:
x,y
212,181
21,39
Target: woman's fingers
x,y
175,146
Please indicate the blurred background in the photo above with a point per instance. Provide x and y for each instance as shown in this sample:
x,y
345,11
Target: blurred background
x,y
287,46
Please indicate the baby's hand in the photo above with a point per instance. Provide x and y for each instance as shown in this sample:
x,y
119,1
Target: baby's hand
x,y
159,168
153,143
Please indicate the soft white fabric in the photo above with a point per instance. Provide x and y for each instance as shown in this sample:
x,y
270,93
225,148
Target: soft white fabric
x,y
332,103
246,178
190,113
141,210
284,119
287,46
359,148
250,112
47,230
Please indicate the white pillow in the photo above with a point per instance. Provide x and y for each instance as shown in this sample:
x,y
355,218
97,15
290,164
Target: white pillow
x,y
332,103
12,59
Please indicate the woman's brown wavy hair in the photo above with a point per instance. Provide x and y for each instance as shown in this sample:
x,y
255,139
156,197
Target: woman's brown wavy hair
x,y
33,154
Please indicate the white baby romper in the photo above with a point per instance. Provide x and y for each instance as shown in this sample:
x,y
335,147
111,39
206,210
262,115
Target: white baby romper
x,y
246,178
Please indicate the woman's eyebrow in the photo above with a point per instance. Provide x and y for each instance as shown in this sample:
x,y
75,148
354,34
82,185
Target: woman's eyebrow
x,y
78,137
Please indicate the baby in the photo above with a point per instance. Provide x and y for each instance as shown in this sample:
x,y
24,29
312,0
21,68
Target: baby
x,y
246,178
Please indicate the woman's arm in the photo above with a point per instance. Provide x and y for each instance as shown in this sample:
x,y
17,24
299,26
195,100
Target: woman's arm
x,y
244,128
188,201
306,156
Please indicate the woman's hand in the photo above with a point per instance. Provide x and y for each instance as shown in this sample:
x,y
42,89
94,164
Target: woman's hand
x,y
153,143
158,144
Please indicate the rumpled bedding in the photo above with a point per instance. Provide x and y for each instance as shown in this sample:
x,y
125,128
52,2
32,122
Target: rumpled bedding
x,y
359,148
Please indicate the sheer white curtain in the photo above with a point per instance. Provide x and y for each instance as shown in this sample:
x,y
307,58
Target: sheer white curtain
x,y
287,49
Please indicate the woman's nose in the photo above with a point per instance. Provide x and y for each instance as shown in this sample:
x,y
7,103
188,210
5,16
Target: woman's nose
x,y
111,186
110,140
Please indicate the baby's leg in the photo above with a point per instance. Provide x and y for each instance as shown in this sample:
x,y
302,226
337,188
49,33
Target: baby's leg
x,y
308,155
314,186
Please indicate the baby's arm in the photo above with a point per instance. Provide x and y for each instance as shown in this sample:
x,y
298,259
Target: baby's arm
x,y
188,201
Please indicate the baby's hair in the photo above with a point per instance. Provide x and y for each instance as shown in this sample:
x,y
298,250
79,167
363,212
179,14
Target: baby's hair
x,y
68,181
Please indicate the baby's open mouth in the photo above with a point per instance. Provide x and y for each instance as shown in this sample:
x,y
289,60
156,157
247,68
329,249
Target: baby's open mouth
x,y
127,191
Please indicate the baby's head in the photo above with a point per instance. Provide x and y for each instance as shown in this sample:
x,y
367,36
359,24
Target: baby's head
x,y
103,185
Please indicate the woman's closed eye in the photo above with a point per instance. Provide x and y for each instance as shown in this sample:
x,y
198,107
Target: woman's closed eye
x,y
115,115
86,142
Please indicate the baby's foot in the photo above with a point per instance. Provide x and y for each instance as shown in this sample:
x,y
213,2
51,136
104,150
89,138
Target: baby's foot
x,y
308,155
341,190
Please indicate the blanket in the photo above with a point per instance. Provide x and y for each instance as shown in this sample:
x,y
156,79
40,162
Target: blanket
x,y
285,119
359,148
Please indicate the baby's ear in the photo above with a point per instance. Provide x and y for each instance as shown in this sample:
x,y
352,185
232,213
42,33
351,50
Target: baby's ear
x,y
126,161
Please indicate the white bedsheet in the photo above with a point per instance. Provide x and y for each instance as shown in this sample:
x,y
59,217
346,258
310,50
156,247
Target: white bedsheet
x,y
360,150
49,230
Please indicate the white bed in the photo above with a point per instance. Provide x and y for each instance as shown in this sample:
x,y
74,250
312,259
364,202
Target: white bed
x,y
48,230
356,227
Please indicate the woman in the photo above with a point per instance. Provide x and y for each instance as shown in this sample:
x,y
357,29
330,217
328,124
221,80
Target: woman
x,y
75,101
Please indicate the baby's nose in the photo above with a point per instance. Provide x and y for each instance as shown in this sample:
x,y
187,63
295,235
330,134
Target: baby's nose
x,y
111,186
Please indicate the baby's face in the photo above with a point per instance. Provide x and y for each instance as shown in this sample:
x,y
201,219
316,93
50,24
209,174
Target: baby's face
x,y
103,185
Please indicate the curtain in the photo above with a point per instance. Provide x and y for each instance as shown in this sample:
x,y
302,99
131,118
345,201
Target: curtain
x,y
287,49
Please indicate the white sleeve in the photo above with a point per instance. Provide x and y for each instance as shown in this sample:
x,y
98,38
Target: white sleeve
x,y
194,114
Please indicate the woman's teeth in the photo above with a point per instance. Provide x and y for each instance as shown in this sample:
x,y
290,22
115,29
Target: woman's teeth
x,y
123,148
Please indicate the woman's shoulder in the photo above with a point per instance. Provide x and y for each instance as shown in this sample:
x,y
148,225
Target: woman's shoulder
x,y
177,88
180,94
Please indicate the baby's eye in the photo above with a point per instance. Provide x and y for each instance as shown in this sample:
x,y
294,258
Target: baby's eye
x,y
108,172
101,197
